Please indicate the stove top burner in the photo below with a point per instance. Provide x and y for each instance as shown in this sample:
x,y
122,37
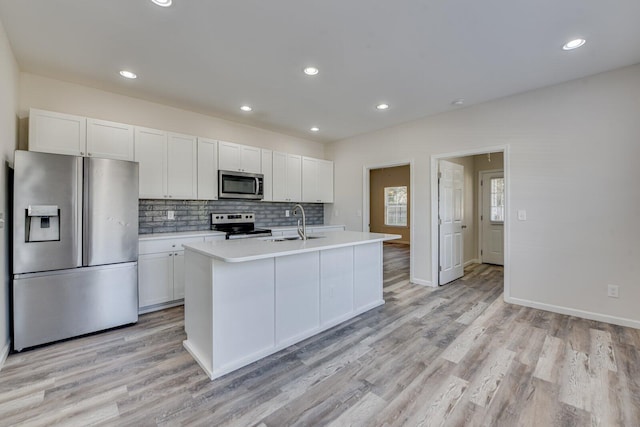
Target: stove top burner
x,y
237,225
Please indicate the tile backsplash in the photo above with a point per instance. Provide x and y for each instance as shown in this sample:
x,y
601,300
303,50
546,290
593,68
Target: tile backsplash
x,y
193,215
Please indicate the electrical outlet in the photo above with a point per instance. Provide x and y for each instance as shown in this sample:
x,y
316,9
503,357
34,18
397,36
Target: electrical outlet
x,y
287,213
171,214
359,213
613,291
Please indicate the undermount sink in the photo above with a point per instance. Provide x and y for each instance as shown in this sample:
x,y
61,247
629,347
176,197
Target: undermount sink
x,y
284,239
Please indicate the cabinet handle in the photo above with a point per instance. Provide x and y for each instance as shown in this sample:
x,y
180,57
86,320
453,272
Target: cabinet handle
x,y
88,154
176,254
82,153
170,196
170,254
173,246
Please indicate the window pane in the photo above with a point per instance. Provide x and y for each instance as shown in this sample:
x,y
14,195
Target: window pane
x,y
395,206
497,199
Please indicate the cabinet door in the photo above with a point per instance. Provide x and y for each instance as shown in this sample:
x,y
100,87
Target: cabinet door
x,y
178,275
267,171
109,140
325,181
336,292
57,133
297,296
182,172
310,180
251,159
151,153
229,156
155,278
207,169
279,177
294,178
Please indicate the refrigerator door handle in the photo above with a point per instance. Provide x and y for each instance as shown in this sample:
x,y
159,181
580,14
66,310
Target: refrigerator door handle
x,y
79,208
83,197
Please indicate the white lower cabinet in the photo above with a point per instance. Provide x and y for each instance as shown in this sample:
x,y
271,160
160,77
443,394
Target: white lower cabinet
x,y
336,290
297,299
161,278
155,279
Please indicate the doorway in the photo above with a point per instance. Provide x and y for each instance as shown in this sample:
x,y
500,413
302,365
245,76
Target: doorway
x,y
460,235
387,208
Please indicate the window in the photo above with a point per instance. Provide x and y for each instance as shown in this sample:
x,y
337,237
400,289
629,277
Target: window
x,y
497,199
395,206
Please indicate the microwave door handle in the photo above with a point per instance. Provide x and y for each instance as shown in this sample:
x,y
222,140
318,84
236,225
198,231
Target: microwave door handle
x,y
257,186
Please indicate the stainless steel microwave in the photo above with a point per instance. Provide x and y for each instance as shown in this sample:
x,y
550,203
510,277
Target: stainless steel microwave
x,y
240,185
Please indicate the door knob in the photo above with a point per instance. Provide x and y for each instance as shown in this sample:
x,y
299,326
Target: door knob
x,y
464,226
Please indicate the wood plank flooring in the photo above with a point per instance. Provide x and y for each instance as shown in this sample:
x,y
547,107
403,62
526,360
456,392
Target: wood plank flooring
x,y
454,356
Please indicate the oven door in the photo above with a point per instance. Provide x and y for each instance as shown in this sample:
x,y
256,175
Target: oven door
x,y
240,185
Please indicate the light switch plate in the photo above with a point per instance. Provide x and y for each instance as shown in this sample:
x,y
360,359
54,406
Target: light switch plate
x,y
522,215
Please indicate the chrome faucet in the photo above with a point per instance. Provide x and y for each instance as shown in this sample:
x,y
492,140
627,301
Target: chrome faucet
x,y
302,231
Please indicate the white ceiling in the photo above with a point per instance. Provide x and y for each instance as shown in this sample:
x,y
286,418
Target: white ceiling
x,y
416,55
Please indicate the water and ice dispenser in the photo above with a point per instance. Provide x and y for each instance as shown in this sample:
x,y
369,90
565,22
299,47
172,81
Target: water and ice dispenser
x,y
42,223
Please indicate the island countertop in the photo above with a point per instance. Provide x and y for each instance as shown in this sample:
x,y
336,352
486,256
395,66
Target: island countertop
x,y
243,250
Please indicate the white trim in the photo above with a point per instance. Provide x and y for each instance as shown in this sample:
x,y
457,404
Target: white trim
x,y
480,212
472,261
434,209
622,321
422,282
5,353
366,204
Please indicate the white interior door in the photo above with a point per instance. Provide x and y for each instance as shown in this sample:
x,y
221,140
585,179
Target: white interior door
x,y
450,215
492,217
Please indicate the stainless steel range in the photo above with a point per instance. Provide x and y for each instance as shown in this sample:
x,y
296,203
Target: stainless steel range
x,y
237,225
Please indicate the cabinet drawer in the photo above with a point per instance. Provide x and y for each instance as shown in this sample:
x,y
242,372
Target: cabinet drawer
x,y
166,245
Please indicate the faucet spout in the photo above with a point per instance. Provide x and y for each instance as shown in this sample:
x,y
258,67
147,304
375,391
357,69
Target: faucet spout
x,y
302,230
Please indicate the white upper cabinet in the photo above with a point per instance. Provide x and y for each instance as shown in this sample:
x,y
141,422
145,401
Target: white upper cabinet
x,y
59,133
168,164
207,169
151,153
287,177
317,180
267,171
182,166
109,140
236,157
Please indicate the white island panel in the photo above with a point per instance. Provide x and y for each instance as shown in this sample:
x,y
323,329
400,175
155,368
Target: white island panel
x,y
336,291
367,283
244,314
297,299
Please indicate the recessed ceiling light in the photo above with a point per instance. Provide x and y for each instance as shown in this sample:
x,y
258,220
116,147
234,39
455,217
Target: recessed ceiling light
x,y
311,71
382,106
459,101
128,74
315,129
573,44
246,108
163,3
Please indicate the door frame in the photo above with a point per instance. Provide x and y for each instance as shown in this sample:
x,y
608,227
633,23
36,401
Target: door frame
x,y
481,206
366,205
435,235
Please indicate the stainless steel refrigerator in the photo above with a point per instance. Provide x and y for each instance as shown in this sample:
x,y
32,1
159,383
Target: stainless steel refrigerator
x,y
75,246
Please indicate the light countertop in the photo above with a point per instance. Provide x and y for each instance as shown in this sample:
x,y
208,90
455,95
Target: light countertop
x,y
295,227
182,234
243,250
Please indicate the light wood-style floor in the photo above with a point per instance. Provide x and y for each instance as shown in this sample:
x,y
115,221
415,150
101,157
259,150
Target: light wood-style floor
x,y
454,356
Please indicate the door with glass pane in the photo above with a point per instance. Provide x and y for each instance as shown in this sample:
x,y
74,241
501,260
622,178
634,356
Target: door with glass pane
x,y
492,217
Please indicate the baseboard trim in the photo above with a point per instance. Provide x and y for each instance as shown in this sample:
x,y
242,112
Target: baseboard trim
x,y
472,261
422,282
621,321
5,353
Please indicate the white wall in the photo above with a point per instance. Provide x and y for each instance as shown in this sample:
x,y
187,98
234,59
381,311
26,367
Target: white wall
x,y
55,95
573,160
9,78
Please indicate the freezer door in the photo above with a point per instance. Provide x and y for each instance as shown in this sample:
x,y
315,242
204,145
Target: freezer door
x,y
47,209
111,211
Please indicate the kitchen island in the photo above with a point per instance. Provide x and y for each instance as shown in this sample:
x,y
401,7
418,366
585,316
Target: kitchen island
x,y
246,299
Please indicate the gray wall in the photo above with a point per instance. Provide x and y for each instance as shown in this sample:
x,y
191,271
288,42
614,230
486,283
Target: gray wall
x,y
192,215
